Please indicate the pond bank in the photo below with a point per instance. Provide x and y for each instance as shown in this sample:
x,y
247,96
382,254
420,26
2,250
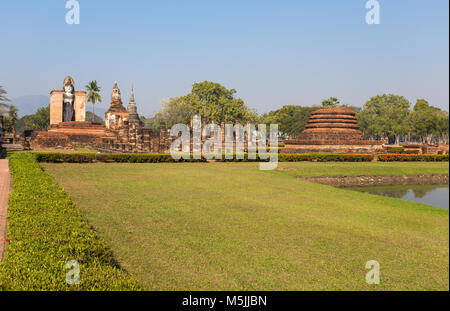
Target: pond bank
x,y
376,180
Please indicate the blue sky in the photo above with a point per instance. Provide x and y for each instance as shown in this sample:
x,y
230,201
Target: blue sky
x,y
273,53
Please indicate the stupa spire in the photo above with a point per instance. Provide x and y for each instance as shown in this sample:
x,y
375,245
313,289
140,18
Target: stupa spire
x,y
116,100
132,109
132,94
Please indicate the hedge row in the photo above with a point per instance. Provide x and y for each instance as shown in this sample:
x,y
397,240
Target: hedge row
x,y
282,157
396,150
45,231
55,157
326,157
413,157
156,158
313,157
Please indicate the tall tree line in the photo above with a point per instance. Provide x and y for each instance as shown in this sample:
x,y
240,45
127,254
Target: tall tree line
x,y
392,117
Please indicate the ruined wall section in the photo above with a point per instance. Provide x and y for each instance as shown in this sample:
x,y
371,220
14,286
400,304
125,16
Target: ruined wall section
x,y
133,138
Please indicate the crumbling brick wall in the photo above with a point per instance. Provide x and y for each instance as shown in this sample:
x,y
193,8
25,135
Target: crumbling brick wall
x,y
134,138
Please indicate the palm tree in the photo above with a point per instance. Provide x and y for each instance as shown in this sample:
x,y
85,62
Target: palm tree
x,y
93,94
3,99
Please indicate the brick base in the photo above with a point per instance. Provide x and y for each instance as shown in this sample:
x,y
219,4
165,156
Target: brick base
x,y
360,149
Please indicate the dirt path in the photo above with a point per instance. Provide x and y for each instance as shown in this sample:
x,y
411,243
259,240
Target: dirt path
x,y
5,188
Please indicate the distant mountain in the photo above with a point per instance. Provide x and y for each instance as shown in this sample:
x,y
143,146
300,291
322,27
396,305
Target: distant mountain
x,y
30,104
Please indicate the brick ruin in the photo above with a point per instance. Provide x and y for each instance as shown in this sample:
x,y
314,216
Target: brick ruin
x,y
332,130
126,133
133,138
123,131
414,148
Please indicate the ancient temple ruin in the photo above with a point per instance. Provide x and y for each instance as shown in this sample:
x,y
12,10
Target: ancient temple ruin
x,y
332,130
126,133
123,131
117,114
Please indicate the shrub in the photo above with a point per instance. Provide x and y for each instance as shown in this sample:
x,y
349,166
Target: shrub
x,y
318,157
55,157
413,157
325,157
46,230
161,158
397,150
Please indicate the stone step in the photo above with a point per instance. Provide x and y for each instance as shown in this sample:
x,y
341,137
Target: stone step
x,y
12,147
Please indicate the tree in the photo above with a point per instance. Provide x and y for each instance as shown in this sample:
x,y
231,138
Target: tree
x,y
428,123
217,104
150,123
93,117
11,118
331,102
173,111
210,100
385,116
354,108
421,120
291,119
9,121
93,93
38,121
3,100
442,128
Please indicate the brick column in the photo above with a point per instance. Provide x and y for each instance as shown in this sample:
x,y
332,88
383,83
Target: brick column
x,y
162,138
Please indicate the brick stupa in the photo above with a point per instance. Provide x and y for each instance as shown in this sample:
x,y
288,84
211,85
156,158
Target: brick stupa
x,y
332,130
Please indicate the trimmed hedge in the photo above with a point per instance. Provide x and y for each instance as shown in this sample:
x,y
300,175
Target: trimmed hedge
x,y
413,157
316,157
397,150
45,231
55,157
326,157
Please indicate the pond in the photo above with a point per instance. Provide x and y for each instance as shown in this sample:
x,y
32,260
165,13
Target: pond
x,y
436,195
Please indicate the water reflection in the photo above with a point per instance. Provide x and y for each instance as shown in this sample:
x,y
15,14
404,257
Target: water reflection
x,y
436,195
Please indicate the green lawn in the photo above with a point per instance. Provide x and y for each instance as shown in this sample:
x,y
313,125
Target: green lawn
x,y
229,226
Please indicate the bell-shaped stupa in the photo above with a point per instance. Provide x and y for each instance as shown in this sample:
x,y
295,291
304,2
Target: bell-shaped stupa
x,y
332,130
116,100
332,126
117,115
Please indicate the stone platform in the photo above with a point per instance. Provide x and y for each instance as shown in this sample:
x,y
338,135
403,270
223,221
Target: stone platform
x,y
77,127
70,135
